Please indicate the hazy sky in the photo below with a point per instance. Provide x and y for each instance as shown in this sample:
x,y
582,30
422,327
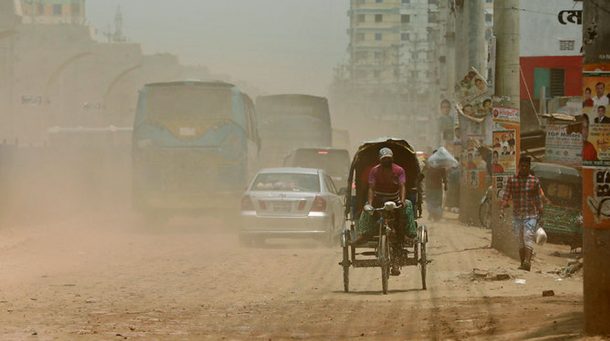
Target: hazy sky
x,y
276,45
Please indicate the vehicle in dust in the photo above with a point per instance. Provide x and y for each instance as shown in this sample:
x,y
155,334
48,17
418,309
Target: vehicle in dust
x,y
195,144
334,161
384,247
291,203
562,186
288,122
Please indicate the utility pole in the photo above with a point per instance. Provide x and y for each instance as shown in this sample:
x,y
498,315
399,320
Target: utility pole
x,y
506,30
470,52
596,241
476,34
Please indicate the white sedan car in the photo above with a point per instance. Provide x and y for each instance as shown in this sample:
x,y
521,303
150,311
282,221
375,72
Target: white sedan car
x,y
291,202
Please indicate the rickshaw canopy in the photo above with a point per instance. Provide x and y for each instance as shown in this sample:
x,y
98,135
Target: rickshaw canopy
x,y
558,173
367,157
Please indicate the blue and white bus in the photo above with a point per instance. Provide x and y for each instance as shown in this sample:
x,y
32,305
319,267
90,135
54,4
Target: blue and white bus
x,y
195,145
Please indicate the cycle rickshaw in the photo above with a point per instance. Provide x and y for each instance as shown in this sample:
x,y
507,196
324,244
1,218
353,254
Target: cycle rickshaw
x,y
381,249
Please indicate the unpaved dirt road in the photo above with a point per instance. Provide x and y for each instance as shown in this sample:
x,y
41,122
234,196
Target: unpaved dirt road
x,y
101,278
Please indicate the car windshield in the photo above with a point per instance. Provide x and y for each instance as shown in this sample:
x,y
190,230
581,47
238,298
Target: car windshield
x,y
286,182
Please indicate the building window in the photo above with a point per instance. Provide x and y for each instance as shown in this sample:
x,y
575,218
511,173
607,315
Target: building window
x,y
406,2
40,9
566,45
378,36
405,36
557,82
432,2
360,37
378,17
361,18
379,1
405,18
360,2
489,18
57,10
432,17
489,1
377,74
378,56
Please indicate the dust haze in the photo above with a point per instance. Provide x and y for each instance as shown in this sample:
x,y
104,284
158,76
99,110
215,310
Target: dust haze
x,y
131,132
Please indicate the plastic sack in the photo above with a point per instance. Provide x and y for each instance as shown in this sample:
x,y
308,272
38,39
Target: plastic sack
x,y
540,236
442,159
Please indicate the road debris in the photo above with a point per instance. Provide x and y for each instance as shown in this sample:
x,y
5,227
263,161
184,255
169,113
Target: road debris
x,y
486,275
548,293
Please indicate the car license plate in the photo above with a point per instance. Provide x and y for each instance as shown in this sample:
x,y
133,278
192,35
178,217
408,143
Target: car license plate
x,y
282,206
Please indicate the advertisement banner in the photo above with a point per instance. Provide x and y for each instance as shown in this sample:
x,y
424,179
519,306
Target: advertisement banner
x,y
564,144
501,114
596,197
596,146
506,142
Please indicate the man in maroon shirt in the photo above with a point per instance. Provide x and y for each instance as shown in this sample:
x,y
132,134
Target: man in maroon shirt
x,y
386,180
387,183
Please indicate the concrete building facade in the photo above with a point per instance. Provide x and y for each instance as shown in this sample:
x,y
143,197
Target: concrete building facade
x,y
52,11
53,73
393,44
374,42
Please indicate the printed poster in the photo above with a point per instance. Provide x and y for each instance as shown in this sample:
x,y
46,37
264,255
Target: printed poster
x,y
506,145
564,144
596,147
596,197
504,152
475,166
596,123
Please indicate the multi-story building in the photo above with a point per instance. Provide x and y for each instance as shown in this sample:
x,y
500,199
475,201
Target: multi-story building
x,y
392,43
52,11
374,37
419,37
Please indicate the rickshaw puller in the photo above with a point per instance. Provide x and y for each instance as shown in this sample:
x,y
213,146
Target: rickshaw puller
x,y
387,183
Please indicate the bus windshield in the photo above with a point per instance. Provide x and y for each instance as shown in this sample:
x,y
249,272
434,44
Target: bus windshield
x,y
188,103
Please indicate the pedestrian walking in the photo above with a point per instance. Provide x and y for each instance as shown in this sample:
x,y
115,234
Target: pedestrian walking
x,y
435,183
524,191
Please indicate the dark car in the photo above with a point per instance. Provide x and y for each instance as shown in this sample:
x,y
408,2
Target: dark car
x,y
334,161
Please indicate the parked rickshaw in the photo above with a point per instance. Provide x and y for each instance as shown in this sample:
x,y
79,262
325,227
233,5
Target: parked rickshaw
x,y
562,187
381,249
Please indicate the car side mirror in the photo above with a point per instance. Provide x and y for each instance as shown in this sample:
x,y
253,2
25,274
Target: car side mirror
x,y
342,191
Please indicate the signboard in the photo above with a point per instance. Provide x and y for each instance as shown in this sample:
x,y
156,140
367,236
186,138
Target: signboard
x,y
564,144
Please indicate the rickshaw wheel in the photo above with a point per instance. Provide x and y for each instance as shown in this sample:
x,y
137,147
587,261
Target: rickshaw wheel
x,y
346,268
384,254
423,261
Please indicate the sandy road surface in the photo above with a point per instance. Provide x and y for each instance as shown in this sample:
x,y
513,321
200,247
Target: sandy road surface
x,y
103,279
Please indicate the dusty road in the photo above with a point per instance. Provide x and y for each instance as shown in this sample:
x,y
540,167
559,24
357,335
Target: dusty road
x,y
103,279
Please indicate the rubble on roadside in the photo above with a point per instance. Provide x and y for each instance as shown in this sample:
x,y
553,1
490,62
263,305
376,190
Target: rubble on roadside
x,y
486,275
574,266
